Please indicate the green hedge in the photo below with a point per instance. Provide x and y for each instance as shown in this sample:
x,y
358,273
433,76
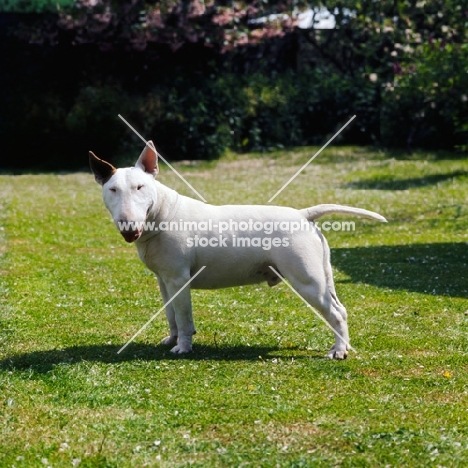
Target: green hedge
x,y
427,102
58,103
188,116
257,112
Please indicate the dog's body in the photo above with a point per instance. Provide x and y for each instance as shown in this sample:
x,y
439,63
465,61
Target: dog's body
x,y
134,198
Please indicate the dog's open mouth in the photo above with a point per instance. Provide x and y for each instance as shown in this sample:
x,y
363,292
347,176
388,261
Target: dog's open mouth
x,y
131,236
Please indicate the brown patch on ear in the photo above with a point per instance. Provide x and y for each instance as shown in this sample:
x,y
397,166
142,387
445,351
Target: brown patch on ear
x,y
148,160
102,170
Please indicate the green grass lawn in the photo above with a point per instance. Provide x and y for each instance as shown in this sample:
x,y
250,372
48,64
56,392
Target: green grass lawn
x,y
257,391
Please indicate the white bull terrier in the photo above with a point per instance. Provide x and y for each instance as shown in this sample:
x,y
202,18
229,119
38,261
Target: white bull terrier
x,y
237,244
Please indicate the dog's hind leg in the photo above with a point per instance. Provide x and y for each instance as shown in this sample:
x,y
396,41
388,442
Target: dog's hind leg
x,y
337,318
334,313
311,276
336,351
170,340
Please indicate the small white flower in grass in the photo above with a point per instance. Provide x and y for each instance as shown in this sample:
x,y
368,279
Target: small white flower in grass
x,y
157,443
76,461
63,446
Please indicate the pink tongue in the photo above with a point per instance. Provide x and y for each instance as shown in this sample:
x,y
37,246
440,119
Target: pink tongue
x,y
130,236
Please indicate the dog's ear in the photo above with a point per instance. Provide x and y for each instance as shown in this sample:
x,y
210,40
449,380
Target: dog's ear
x,y
148,160
102,170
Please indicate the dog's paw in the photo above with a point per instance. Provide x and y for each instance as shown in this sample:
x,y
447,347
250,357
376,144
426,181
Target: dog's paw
x,y
340,354
181,349
169,341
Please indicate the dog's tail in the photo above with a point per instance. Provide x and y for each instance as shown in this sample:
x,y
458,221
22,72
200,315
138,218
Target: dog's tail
x,y
316,212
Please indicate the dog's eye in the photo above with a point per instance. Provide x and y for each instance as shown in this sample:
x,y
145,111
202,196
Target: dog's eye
x,y
113,190
139,187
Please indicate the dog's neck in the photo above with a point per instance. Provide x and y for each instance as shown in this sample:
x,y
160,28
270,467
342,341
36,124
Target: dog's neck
x,y
166,204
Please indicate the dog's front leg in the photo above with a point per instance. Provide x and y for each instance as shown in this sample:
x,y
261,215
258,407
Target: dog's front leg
x,y
170,340
181,315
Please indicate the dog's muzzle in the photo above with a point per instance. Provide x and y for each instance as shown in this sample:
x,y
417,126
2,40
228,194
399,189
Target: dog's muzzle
x,y
131,236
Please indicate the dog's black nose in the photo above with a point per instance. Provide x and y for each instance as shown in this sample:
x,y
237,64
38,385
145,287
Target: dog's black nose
x,y
130,236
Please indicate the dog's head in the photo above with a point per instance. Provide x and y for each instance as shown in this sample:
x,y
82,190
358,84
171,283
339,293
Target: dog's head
x,y
129,194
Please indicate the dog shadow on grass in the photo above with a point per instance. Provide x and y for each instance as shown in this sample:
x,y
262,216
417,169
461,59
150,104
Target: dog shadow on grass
x,y
437,269
44,361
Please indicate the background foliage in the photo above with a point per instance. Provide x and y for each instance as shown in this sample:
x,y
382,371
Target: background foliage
x,y
201,77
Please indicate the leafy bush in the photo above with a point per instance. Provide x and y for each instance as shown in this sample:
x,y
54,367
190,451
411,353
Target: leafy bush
x,y
32,6
426,104
91,121
256,112
190,118
401,70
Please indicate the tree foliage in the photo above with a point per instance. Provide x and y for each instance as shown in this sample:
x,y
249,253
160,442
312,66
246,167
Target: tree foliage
x,y
201,76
